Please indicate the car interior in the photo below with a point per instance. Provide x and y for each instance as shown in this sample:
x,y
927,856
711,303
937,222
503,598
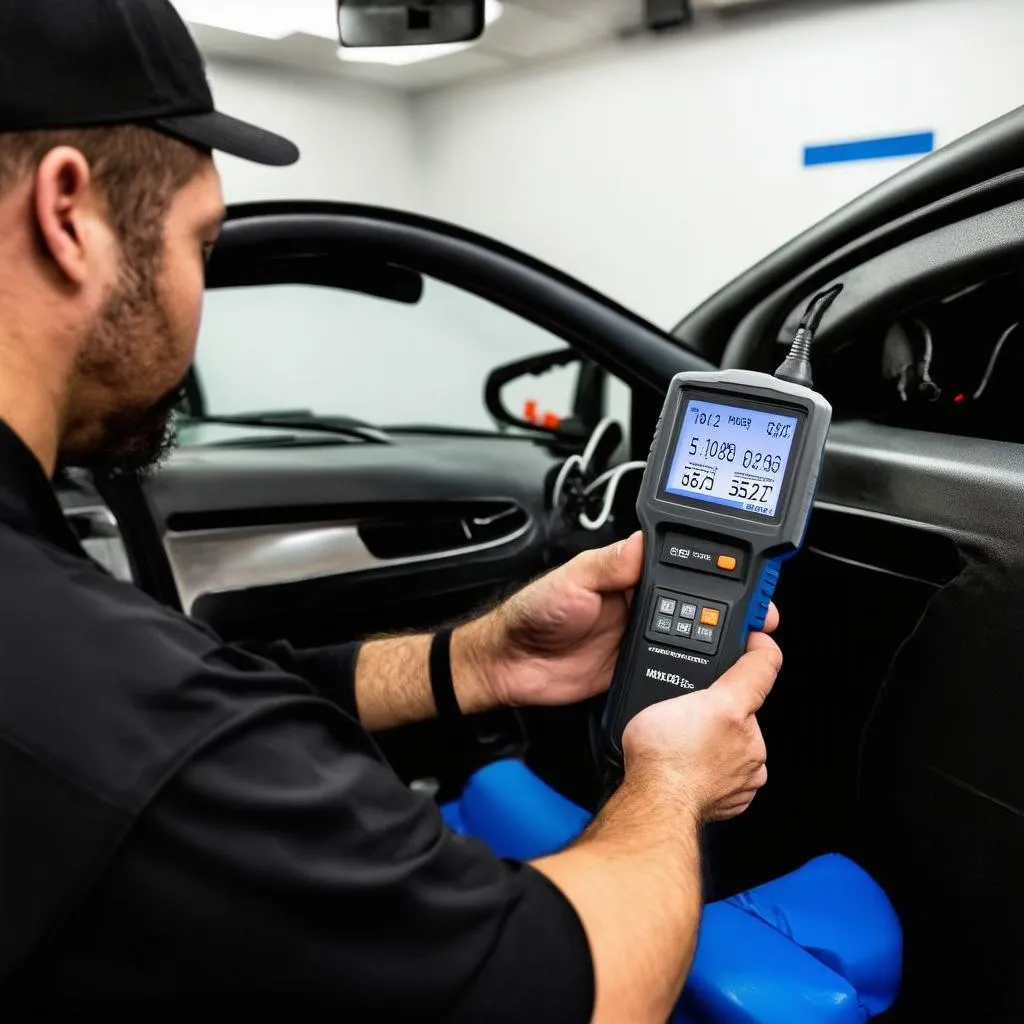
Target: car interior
x,y
894,730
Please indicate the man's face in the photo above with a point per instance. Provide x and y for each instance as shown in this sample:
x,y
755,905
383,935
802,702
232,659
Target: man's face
x,y
137,352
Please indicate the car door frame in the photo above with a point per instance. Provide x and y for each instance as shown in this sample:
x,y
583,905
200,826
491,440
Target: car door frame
x,y
640,354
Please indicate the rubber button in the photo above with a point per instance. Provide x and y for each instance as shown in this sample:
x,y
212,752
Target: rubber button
x,y
710,616
726,562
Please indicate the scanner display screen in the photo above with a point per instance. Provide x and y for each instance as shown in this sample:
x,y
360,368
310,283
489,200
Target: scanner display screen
x,y
732,455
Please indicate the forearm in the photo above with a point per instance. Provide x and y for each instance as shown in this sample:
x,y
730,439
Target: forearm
x,y
634,879
393,677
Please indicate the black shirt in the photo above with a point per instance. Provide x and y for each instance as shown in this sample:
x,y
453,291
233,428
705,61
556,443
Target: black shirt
x,y
187,826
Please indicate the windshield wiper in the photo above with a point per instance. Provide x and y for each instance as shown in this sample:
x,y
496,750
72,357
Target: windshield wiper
x,y
342,426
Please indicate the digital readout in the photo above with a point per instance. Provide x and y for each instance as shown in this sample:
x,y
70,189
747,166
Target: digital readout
x,y
730,455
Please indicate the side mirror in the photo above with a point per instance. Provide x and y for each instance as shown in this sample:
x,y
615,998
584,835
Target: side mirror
x,y
587,396
363,23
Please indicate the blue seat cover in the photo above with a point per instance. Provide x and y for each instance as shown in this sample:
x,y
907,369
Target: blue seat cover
x,y
833,908
819,945
515,813
746,972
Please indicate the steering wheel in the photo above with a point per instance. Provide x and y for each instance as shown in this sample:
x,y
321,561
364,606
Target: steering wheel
x,y
591,500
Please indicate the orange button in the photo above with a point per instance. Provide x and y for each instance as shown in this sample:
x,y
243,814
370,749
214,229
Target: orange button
x,y
709,616
726,562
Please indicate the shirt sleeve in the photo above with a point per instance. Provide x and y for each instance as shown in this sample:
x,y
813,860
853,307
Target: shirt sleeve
x,y
285,867
331,671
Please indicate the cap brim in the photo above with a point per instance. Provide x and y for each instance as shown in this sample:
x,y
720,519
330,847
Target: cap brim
x,y
229,135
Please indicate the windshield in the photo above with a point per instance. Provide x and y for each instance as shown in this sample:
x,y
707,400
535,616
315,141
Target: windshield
x,y
290,348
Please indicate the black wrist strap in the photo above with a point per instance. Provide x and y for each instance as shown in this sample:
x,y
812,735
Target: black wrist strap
x,y
441,684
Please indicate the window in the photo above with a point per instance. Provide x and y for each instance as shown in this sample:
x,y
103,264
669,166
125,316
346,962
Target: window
x,y
287,347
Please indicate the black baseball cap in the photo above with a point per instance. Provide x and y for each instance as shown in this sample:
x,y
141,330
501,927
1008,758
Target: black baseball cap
x,y
91,63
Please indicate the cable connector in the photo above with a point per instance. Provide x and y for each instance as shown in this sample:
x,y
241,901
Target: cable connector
x,y
796,367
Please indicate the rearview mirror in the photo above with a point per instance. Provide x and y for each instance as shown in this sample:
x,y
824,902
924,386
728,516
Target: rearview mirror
x,y
365,23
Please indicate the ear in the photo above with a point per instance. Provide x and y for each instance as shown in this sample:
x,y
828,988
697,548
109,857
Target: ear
x,y
67,211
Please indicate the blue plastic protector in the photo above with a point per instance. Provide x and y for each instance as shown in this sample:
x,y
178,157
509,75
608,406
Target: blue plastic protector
x,y
819,945
745,972
837,912
516,814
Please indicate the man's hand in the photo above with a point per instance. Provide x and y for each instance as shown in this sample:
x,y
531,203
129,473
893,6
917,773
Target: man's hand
x,y
634,876
553,643
708,744
556,641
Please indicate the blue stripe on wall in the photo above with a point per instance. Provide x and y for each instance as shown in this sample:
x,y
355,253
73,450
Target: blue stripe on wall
x,y
870,149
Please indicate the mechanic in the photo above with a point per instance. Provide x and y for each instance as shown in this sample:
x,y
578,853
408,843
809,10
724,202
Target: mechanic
x,y
185,825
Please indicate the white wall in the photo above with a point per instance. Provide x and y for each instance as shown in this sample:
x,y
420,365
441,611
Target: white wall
x,y
655,170
330,351
658,170
356,139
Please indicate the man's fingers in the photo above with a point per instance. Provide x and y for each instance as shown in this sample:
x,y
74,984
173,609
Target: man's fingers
x,y
756,641
616,567
751,679
760,642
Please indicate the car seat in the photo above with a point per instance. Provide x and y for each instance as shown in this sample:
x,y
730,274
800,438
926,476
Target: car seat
x,y
819,945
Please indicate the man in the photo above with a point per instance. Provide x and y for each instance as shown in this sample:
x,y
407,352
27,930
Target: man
x,y
184,825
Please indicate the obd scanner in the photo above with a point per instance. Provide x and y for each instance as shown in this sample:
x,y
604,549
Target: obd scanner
x,y
725,500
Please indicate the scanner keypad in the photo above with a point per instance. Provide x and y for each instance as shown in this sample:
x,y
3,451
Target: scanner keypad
x,y
684,620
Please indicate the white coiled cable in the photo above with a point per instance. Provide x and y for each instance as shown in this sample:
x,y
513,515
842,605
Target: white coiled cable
x,y
609,480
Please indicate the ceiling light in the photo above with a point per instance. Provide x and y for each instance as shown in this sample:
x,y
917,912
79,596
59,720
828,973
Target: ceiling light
x,y
397,56
264,18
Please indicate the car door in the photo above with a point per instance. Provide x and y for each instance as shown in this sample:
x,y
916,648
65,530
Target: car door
x,y
348,465
894,732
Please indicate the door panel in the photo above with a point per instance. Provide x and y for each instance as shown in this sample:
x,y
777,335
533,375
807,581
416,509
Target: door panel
x,y
255,538
940,795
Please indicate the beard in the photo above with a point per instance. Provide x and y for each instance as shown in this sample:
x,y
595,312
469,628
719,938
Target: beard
x,y
131,342
134,440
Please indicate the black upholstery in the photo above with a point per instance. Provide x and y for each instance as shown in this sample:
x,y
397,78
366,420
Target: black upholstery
x,y
942,796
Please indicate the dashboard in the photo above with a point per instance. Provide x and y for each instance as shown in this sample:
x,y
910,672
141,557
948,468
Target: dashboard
x,y
952,364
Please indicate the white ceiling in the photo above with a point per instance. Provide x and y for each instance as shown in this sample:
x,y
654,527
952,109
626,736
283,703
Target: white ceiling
x,y
528,31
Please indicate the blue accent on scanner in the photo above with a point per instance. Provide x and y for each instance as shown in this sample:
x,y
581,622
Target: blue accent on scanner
x,y
757,611
916,144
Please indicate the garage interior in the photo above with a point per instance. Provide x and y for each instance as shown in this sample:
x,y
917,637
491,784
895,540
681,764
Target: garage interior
x,y
439,363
